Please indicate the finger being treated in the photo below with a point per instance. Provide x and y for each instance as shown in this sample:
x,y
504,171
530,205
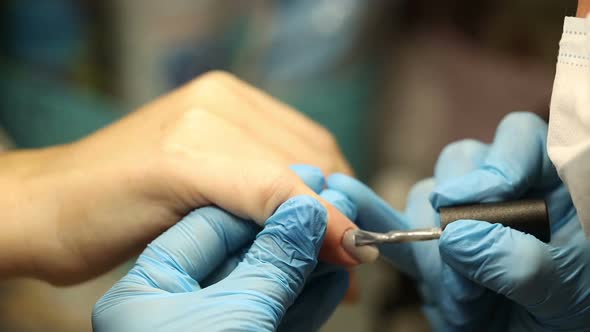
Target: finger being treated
x,y
374,214
254,189
364,254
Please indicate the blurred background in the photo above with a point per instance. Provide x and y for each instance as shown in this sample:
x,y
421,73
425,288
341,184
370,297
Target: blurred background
x,y
394,80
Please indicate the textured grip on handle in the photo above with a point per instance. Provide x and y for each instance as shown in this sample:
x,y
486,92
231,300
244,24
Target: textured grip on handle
x,y
528,216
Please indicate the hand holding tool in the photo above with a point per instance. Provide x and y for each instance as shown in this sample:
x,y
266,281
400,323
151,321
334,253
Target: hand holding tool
x,y
528,216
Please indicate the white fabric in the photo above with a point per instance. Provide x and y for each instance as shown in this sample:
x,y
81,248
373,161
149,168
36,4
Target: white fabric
x,y
569,122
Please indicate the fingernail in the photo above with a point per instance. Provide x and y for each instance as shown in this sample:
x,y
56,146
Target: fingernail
x,y
364,254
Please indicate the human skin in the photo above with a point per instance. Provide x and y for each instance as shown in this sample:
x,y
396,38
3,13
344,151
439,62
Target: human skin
x,y
75,211
583,8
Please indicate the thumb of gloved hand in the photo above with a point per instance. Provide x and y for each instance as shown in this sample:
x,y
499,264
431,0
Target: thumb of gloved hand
x,y
509,262
547,282
274,270
504,260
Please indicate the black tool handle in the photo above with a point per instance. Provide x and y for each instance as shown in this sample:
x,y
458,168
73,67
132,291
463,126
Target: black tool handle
x,y
528,216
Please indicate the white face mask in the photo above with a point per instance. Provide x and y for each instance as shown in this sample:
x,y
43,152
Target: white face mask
x,y
569,124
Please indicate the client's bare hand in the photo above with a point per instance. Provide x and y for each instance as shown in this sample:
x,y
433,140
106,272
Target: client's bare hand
x,y
583,8
80,209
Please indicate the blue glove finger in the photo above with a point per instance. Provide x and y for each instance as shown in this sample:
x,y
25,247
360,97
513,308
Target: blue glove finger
x,y
322,293
506,261
274,270
460,295
368,204
422,215
434,317
341,202
459,158
419,212
333,197
190,250
471,313
325,287
516,163
310,175
376,215
457,296
226,268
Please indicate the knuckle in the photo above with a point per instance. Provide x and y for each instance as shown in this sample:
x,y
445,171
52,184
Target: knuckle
x,y
216,76
210,83
329,165
177,138
327,140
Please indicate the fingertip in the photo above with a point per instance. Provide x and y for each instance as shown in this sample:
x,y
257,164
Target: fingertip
x,y
352,187
459,158
354,190
447,193
437,200
481,185
374,213
341,202
454,192
312,176
340,180
522,121
332,249
420,192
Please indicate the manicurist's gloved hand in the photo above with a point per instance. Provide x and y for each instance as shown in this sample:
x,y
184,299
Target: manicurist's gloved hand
x,y
481,276
421,260
544,287
205,273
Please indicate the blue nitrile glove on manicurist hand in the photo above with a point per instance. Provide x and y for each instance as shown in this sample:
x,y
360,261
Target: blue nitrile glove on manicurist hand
x,y
497,279
548,285
206,274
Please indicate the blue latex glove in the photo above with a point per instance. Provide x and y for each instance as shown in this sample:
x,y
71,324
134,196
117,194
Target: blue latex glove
x,y
206,274
499,279
421,260
545,287
327,285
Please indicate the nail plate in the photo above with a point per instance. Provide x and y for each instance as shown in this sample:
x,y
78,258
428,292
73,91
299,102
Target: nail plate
x,y
364,254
